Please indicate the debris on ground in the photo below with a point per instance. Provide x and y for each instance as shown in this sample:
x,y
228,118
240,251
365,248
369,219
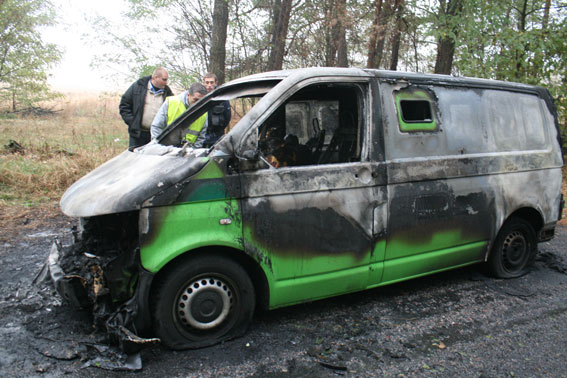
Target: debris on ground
x,y
14,147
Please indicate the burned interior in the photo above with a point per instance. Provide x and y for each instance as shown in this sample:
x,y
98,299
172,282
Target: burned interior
x,y
318,125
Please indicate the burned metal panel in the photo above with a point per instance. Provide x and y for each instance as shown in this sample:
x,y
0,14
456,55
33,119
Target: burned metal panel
x,y
432,215
438,224
450,190
125,182
200,211
211,183
309,222
494,130
438,203
169,231
439,167
347,189
472,121
536,189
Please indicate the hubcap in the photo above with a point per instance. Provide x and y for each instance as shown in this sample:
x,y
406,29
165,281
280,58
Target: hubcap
x,y
515,250
205,303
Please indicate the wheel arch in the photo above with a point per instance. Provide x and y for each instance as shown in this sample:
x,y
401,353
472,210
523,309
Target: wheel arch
x,y
251,266
529,214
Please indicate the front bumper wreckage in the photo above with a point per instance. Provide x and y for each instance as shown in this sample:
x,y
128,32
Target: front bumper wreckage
x,y
87,287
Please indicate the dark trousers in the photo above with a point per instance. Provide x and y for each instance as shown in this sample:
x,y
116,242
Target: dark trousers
x,y
144,138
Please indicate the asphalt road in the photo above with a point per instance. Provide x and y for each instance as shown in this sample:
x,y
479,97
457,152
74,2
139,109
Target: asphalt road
x,y
458,323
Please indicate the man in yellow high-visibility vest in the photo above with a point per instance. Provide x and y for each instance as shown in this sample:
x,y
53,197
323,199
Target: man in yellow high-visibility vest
x,y
174,106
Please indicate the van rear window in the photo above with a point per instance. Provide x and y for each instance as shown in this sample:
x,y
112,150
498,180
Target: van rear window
x,y
415,111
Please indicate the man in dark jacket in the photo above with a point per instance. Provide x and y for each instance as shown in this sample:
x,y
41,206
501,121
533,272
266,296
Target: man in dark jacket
x,y
141,102
219,115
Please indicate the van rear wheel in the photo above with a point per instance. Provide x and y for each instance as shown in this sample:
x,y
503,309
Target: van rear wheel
x,y
513,250
201,302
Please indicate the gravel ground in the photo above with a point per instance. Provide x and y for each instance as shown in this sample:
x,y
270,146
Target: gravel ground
x,y
458,323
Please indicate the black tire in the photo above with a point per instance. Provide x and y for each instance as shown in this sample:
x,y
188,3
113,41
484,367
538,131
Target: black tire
x,y
513,250
201,302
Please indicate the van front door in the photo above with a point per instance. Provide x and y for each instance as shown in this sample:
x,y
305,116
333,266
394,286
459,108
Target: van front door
x,y
308,205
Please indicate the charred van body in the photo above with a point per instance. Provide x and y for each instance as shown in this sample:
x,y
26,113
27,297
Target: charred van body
x,y
334,181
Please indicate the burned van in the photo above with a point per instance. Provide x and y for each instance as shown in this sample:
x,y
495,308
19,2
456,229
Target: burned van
x,y
331,181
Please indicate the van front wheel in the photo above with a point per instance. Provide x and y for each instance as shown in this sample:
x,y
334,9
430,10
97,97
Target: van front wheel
x,y
513,250
201,302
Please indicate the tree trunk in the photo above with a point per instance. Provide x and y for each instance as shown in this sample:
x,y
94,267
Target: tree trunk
x,y
218,39
448,11
330,37
279,36
14,100
415,52
520,53
336,51
545,21
342,56
383,29
370,63
276,10
398,10
445,52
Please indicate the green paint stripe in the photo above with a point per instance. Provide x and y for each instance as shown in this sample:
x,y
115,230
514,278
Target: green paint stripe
x,y
405,268
297,290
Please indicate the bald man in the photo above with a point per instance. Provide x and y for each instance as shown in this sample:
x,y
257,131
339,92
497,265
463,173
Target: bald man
x,y
141,102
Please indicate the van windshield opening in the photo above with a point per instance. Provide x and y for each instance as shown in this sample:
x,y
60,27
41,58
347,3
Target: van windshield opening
x,y
241,97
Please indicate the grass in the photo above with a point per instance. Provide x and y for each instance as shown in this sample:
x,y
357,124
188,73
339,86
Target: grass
x,y
85,131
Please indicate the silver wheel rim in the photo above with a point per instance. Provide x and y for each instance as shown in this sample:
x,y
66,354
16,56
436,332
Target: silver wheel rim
x,y
204,303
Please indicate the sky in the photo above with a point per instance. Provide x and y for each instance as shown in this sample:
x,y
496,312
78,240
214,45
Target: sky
x,y
74,72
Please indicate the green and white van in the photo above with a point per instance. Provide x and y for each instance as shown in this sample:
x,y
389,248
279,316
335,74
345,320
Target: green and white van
x,y
330,181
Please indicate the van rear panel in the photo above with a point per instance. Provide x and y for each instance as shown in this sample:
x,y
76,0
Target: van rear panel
x,y
462,160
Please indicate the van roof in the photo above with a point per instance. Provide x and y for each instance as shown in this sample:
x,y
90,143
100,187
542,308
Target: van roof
x,y
449,80
386,75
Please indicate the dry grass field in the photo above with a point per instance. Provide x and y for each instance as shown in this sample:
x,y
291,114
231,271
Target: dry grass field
x,y
84,131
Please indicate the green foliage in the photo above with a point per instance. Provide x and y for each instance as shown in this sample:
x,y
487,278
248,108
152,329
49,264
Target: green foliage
x,y
25,57
505,40
515,40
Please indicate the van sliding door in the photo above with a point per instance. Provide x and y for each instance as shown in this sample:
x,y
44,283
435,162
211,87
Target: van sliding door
x,y
308,207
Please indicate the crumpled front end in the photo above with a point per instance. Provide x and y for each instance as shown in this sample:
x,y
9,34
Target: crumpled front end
x,y
101,271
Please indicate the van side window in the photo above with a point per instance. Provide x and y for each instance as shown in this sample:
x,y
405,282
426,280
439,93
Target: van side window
x,y
415,111
321,124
